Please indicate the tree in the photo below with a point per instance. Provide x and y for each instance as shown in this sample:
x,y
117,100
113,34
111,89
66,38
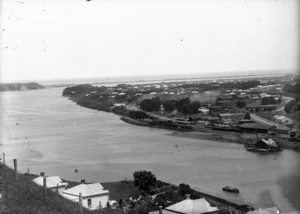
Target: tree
x,y
247,116
184,189
241,104
144,180
150,104
169,105
194,107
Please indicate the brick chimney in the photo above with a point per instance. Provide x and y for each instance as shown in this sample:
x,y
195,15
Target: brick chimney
x,y
83,181
160,210
187,196
42,173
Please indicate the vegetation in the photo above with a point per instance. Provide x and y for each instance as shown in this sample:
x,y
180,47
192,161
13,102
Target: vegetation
x,y
227,85
154,193
20,86
291,106
89,96
183,105
270,100
19,196
241,104
137,114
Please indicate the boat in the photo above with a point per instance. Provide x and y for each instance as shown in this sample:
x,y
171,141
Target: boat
x,y
231,189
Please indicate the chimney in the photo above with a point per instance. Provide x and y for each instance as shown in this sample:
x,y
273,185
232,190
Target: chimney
x,y
42,173
187,196
160,210
83,181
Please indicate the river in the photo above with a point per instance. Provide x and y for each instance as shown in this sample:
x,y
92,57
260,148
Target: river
x,y
49,133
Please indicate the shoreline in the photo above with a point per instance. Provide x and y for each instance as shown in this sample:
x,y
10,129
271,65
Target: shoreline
x,y
211,135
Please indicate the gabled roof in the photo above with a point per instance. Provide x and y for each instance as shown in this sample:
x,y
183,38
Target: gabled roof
x,y
86,190
189,206
51,181
269,141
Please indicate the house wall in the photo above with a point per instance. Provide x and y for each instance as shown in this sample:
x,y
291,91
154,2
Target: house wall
x,y
60,189
95,201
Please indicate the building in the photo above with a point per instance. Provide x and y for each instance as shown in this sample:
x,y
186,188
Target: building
x,y
203,111
189,206
53,183
92,195
231,116
271,210
282,119
266,143
257,128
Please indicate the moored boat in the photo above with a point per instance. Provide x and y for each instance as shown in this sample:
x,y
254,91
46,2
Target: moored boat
x,y
231,189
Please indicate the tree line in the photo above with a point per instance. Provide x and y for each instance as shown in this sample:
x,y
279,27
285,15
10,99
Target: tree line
x,y
183,105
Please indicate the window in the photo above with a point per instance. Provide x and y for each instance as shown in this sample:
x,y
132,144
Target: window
x,y
89,202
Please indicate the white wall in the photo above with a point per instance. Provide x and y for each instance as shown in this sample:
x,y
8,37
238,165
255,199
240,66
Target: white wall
x,y
95,201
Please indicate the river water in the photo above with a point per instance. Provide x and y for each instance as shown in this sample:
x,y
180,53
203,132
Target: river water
x,y
49,133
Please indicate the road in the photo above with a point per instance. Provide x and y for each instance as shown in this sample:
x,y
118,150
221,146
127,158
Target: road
x,y
262,120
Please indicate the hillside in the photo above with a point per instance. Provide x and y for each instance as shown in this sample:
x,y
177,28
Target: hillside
x,y
19,196
20,86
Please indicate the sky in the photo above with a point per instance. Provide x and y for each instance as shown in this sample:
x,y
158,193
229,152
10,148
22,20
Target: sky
x,y
61,39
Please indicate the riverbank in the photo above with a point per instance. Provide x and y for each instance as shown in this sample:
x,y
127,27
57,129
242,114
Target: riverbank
x,y
229,137
214,135
22,195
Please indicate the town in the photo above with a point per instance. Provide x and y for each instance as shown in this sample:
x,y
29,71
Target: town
x,y
262,113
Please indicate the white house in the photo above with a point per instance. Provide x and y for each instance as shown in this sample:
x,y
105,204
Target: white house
x,y
52,182
92,195
203,110
189,206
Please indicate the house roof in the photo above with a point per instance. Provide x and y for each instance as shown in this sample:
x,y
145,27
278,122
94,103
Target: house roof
x,y
51,181
269,141
271,210
231,114
189,206
86,190
256,126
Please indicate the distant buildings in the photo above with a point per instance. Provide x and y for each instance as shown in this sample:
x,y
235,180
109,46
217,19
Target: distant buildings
x,y
257,128
228,117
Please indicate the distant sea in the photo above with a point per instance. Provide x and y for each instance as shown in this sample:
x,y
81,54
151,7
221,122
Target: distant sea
x,y
138,79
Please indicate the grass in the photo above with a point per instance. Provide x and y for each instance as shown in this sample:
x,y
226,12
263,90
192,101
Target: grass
x,y
120,190
21,196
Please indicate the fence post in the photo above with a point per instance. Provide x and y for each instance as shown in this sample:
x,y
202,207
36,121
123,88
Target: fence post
x,y
16,168
100,206
4,158
28,177
44,186
57,188
80,203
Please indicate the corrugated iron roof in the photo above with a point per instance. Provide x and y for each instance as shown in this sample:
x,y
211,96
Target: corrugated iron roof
x,y
269,141
189,206
51,181
86,190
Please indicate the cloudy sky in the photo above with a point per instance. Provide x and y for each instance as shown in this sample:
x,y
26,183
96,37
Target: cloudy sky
x,y
55,39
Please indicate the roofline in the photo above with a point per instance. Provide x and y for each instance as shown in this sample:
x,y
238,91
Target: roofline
x,y
184,213
86,195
